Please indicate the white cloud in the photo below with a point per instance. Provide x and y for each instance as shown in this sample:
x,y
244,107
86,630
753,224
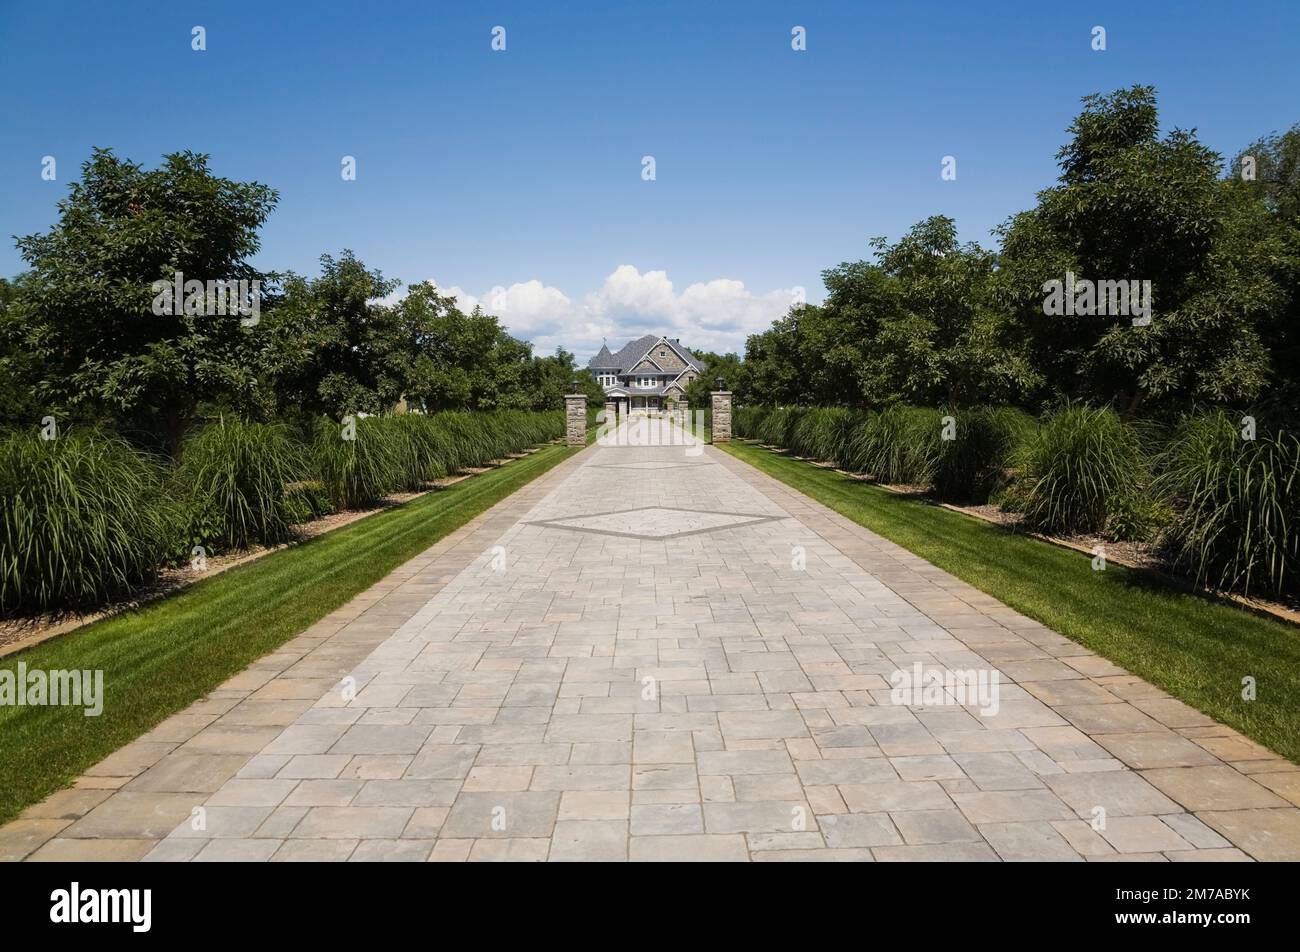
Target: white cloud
x,y
715,315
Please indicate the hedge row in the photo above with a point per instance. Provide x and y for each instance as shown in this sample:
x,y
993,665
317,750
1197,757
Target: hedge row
x,y
89,518
1221,507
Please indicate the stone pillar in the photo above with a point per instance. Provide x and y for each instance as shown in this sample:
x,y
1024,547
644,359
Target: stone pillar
x,y
575,419
722,416
611,413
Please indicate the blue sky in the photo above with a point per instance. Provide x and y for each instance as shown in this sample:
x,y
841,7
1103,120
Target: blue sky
x,y
521,170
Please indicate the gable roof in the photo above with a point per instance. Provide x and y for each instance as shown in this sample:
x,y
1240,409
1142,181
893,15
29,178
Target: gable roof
x,y
632,354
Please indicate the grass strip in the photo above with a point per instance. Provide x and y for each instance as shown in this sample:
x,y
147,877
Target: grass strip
x,y
168,653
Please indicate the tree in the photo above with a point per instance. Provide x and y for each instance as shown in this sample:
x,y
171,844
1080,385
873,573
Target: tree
x,y
466,361
1276,172
329,346
17,368
1266,236
554,376
918,324
1130,206
932,332
86,307
729,368
774,371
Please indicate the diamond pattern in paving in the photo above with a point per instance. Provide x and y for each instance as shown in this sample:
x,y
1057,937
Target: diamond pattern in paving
x,y
648,656
655,522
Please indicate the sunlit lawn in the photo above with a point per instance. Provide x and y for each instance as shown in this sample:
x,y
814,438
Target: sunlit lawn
x,y
158,659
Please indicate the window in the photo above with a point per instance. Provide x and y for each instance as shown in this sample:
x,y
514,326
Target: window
x,y
607,380
646,383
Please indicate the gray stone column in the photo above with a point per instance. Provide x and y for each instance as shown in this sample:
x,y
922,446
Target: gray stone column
x,y
721,416
611,412
575,419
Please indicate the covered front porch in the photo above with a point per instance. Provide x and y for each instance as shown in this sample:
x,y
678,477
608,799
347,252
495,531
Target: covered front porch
x,y
630,402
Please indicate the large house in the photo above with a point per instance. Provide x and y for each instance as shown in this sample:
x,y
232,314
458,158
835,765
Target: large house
x,y
651,373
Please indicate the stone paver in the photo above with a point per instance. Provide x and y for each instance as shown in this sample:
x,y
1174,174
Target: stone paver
x,y
650,655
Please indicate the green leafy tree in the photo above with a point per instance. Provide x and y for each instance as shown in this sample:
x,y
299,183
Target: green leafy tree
x,y
85,308
1131,205
1265,233
918,325
330,346
922,323
774,370
1276,170
18,370
729,368
555,375
467,361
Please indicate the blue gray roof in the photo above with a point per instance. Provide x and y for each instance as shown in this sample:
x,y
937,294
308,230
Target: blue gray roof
x,y
630,355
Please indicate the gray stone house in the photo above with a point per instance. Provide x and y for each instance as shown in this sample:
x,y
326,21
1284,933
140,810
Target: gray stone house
x,y
651,373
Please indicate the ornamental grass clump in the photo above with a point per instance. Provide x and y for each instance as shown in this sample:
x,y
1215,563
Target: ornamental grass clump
x,y
820,432
359,462
235,474
85,520
1076,465
467,437
974,463
777,427
422,449
896,445
1236,504
745,421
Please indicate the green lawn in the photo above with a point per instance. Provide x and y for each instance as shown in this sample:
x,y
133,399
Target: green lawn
x,y
160,658
1197,649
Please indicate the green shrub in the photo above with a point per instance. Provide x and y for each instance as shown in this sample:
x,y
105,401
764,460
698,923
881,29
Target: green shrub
x,y
236,472
1136,517
896,445
777,427
820,432
1075,465
85,519
745,421
421,446
306,500
972,465
360,471
195,523
1237,503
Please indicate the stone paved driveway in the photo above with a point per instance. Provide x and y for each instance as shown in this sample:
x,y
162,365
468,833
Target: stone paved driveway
x,y
654,656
